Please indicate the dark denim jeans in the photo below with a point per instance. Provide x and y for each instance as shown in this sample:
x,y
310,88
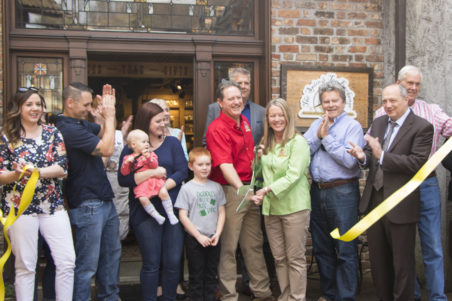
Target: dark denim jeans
x,y
98,249
203,269
336,207
159,243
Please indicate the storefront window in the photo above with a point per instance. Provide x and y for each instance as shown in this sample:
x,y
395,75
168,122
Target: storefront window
x,y
45,74
229,17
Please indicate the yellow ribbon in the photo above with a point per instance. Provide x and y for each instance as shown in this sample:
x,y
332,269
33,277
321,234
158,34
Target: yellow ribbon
x,y
25,201
395,198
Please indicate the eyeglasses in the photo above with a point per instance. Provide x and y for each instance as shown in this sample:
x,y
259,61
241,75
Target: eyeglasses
x,y
26,89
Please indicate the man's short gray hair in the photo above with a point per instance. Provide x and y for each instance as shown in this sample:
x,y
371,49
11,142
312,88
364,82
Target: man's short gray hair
x,y
408,69
332,85
239,70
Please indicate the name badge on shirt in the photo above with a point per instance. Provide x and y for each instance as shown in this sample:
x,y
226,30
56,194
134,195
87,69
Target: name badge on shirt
x,y
247,128
283,153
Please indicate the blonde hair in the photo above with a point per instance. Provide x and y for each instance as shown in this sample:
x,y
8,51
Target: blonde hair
x,y
269,139
134,135
198,152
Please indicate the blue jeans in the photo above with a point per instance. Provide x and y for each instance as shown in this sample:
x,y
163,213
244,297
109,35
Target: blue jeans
x,y
335,207
159,243
429,227
97,248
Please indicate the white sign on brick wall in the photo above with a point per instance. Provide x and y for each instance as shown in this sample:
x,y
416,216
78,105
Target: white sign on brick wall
x,y
310,102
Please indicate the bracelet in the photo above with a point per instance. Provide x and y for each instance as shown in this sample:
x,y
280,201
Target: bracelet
x,y
266,190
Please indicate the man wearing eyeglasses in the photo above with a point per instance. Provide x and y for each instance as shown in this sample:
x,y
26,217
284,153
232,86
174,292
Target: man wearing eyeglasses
x,y
334,193
88,191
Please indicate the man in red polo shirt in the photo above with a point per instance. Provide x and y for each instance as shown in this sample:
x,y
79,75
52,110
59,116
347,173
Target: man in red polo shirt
x,y
231,144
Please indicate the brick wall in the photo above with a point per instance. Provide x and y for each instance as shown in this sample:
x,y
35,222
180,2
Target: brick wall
x,y
341,33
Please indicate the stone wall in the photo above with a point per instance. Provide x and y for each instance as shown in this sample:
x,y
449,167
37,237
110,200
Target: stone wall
x,y
429,46
347,33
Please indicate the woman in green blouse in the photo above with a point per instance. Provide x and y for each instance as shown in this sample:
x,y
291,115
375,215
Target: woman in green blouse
x,y
283,162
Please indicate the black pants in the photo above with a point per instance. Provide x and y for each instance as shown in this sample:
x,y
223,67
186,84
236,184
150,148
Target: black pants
x,y
202,269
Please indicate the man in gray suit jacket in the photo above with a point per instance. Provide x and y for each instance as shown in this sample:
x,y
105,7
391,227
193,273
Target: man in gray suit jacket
x,y
253,112
407,141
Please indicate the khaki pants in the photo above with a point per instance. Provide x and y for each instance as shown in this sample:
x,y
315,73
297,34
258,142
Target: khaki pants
x,y
242,227
287,236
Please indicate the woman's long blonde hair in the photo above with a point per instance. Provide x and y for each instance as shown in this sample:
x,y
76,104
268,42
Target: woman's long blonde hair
x,y
269,139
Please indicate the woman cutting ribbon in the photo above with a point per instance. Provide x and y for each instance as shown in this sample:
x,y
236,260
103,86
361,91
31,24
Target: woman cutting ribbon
x,y
284,161
26,144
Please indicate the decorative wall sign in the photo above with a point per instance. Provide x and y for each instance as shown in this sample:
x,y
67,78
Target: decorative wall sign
x,y
300,84
140,69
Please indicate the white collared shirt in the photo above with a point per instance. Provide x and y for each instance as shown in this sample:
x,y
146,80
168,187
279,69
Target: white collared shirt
x,y
396,129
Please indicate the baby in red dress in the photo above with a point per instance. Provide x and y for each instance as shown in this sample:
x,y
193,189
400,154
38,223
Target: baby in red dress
x,y
142,159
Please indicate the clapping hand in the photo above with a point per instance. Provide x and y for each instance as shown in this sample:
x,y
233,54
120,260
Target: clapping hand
x,y
356,151
375,145
108,102
126,124
324,127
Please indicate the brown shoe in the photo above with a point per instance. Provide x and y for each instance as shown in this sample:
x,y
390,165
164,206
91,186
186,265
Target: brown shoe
x,y
322,299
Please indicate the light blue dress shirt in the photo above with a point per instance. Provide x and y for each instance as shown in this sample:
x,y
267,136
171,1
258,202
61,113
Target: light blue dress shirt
x,y
332,162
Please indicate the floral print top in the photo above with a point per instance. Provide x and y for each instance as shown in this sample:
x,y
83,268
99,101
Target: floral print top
x,y
44,151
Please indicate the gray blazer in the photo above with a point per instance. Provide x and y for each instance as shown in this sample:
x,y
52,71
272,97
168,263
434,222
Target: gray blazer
x,y
257,115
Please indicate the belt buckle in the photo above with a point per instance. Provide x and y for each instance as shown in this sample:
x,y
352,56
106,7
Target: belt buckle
x,y
321,185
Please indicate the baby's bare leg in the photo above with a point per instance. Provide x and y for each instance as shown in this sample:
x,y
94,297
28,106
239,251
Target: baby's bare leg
x,y
168,205
144,201
150,209
163,194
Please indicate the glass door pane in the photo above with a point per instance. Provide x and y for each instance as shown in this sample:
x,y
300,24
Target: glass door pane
x,y
46,74
222,70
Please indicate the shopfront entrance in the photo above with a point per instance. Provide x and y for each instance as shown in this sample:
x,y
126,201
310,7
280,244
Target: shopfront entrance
x,y
139,81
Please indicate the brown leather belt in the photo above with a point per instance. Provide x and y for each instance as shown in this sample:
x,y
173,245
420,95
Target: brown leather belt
x,y
433,174
326,185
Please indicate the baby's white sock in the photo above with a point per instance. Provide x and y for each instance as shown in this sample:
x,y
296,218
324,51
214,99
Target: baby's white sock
x,y
168,206
150,209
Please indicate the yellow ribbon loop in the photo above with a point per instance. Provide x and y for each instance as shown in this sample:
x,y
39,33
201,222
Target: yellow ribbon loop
x,y
395,198
25,201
